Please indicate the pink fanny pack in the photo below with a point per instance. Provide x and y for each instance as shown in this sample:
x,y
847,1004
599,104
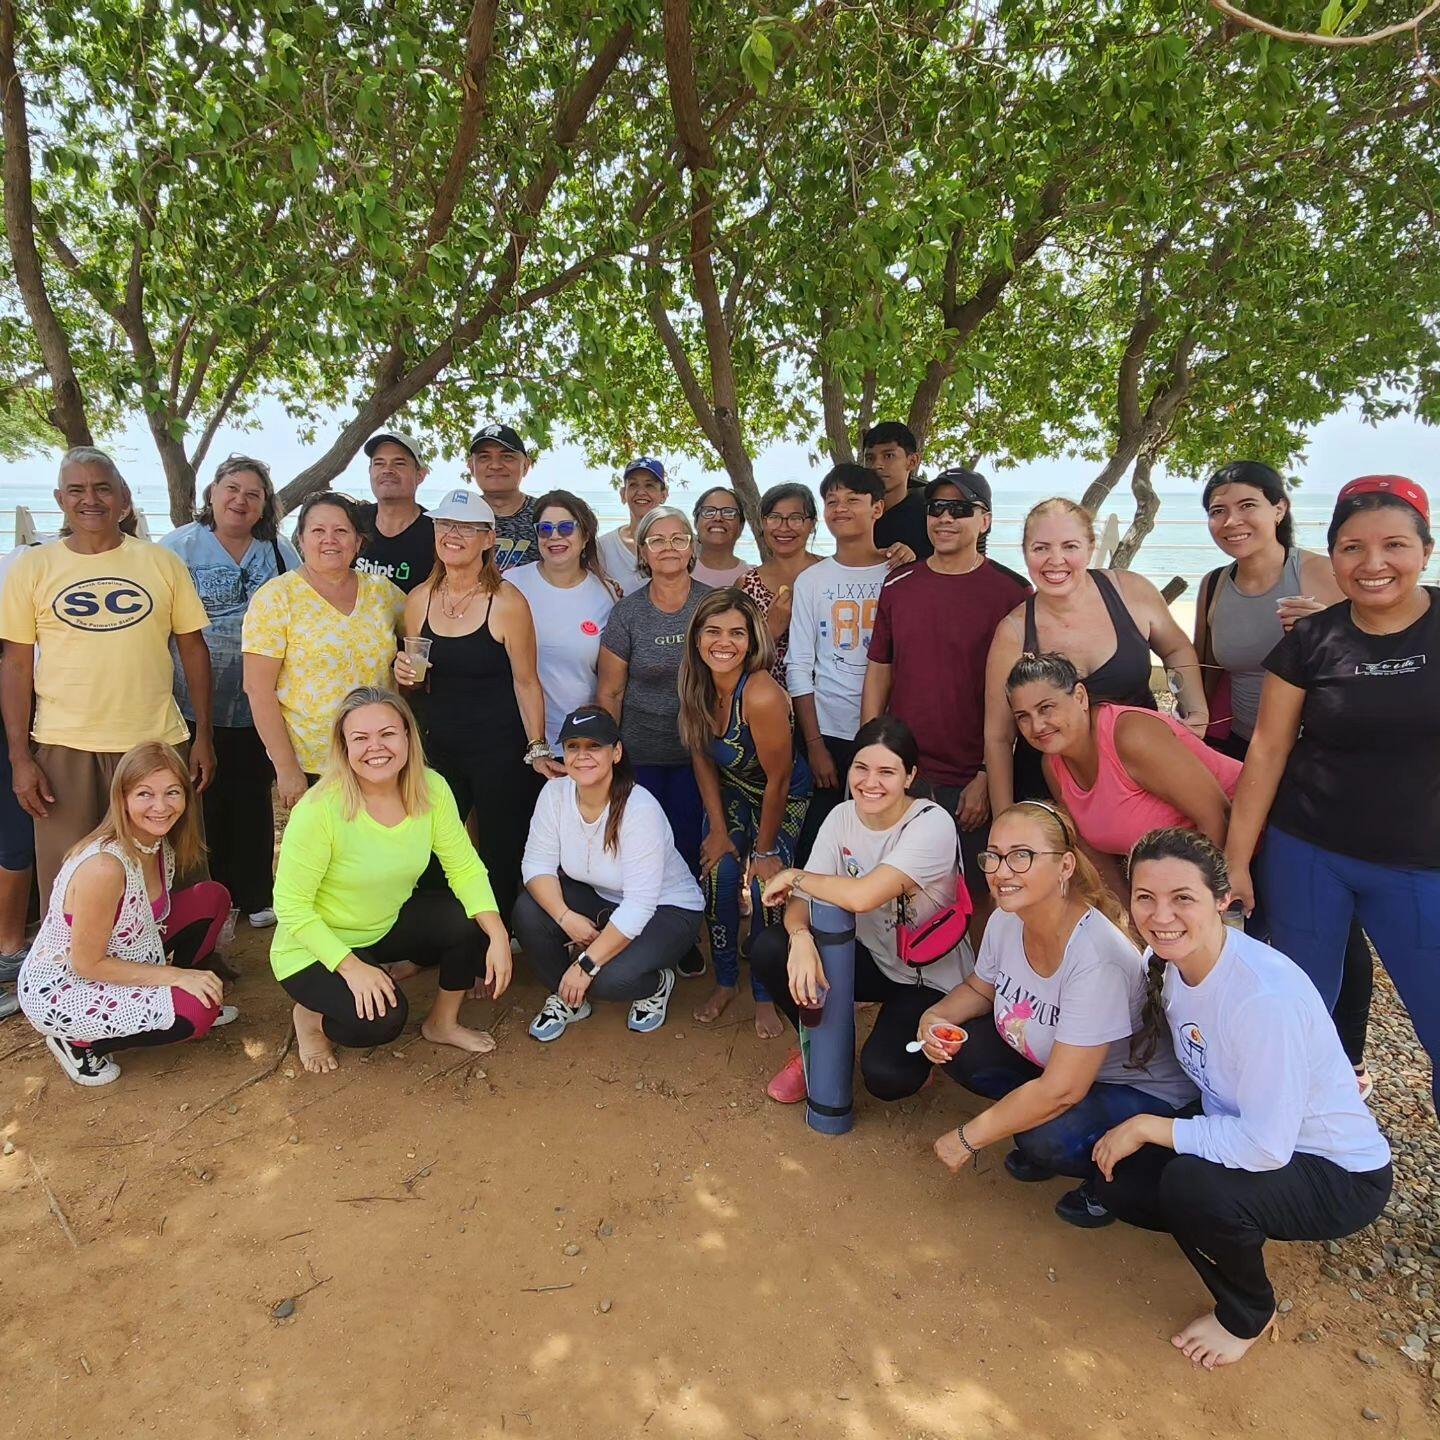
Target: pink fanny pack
x,y
933,939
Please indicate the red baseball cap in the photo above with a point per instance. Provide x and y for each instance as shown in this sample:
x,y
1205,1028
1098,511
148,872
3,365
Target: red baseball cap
x,y
1397,485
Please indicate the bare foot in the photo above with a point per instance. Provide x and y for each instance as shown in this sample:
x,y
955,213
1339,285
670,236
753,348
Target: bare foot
x,y
714,1007
316,1052
478,1042
1207,1342
401,969
768,1023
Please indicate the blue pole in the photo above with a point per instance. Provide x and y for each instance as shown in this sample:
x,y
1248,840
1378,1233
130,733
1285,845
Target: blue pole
x,y
829,1045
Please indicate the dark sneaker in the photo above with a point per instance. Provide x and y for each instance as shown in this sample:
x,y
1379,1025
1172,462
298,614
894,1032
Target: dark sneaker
x,y
1020,1168
10,963
691,964
1080,1207
81,1064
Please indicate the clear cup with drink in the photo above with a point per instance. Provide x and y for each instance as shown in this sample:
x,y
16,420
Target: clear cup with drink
x,y
417,656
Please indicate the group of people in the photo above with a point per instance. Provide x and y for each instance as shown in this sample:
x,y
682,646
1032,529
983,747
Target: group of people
x,y
486,720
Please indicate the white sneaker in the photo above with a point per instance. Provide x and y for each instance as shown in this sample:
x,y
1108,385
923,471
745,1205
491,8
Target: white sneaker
x,y
555,1015
649,1014
228,1013
83,1067
261,919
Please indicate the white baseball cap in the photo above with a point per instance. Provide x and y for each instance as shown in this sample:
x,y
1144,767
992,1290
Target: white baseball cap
x,y
466,505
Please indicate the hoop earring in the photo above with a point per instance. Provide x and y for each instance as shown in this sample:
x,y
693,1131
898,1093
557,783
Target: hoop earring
x,y
1065,888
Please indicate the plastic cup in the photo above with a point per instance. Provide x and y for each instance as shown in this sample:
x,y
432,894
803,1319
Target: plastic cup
x,y
812,1015
227,930
417,652
948,1037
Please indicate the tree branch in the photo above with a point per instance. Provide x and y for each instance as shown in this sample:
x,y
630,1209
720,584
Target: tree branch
x,y
1335,42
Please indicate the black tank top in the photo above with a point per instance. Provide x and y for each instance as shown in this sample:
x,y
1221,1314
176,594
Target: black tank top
x,y
471,708
1125,677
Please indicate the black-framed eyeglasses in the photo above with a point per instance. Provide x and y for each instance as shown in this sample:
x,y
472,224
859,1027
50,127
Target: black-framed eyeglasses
x,y
719,512
563,528
955,509
1020,859
787,522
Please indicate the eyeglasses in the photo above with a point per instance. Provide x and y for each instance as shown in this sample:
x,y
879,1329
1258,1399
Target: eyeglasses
x,y
955,509
1020,859
656,543
463,528
718,512
786,522
563,528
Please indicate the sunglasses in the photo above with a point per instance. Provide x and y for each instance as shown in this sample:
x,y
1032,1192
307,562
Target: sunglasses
x,y
719,512
563,528
955,509
1020,859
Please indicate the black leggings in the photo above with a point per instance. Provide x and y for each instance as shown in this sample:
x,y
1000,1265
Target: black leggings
x,y
430,930
1221,1217
889,1071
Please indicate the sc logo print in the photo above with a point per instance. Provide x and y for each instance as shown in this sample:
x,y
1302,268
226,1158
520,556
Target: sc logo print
x,y
108,603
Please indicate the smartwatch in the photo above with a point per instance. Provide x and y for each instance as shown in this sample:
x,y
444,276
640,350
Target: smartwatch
x,y
585,964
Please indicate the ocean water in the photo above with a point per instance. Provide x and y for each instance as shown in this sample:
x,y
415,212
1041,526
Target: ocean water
x,y
1180,544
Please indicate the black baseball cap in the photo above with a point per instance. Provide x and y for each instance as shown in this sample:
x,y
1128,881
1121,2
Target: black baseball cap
x,y
502,435
975,488
590,722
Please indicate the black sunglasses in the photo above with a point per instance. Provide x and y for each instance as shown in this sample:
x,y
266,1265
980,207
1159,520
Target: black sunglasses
x,y
955,509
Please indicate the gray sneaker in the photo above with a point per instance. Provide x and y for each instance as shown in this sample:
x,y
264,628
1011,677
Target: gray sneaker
x,y
9,1003
10,964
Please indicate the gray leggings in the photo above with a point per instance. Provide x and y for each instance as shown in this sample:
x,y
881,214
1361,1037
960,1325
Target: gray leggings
x,y
634,973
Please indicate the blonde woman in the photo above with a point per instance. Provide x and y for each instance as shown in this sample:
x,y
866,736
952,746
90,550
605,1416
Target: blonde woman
x,y
1108,623
115,965
346,900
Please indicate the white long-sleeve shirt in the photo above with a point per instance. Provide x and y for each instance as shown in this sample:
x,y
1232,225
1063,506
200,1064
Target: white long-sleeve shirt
x,y
1256,1038
644,872
832,617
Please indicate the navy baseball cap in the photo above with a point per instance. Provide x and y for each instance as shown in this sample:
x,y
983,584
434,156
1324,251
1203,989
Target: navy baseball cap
x,y
590,722
975,488
646,462
502,435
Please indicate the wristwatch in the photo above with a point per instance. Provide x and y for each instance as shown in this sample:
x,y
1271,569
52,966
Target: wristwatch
x,y
585,964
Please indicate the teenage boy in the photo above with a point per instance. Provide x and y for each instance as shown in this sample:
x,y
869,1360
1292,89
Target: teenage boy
x,y
933,628
498,463
642,489
399,538
101,607
831,619
891,450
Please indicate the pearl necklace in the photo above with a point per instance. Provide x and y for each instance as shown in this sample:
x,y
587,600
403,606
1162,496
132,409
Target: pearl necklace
x,y
148,849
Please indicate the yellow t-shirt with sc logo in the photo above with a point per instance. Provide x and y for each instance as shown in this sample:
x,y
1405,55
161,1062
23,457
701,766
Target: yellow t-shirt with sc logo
x,y
102,624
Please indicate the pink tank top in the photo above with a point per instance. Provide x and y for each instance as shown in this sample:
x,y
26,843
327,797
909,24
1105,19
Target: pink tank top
x,y
1115,812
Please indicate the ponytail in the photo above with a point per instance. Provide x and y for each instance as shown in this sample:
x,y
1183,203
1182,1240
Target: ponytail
x,y
1146,1040
622,782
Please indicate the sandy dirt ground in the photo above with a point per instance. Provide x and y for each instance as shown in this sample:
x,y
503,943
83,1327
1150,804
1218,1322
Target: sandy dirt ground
x,y
615,1235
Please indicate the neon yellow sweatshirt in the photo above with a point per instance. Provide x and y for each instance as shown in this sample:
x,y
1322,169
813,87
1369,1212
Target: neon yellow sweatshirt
x,y
340,883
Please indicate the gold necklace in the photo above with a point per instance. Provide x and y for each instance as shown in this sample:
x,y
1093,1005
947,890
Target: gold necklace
x,y
461,606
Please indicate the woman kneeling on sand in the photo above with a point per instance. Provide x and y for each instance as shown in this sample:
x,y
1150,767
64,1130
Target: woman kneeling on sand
x,y
1284,1149
345,894
113,967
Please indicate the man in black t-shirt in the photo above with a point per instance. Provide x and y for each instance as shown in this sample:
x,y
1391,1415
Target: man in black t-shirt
x,y
498,464
399,538
891,449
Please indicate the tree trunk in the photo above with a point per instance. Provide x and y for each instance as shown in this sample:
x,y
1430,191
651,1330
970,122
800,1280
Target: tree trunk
x,y
1147,507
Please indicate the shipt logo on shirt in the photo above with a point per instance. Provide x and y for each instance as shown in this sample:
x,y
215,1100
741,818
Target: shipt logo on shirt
x,y
108,603
1379,669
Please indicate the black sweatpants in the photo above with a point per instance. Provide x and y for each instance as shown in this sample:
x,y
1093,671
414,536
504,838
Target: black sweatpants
x,y
889,1071
239,820
1221,1217
669,935
822,802
430,930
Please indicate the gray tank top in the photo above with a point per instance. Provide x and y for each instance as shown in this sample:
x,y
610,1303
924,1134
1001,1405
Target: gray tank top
x,y
1245,629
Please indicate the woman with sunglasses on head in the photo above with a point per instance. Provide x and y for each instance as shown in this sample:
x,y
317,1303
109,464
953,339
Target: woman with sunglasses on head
x,y
639,671
737,720
311,635
610,910
570,598
719,524
891,861
1063,988
1244,610
482,705
789,515
1118,769
1343,771
346,893
1284,1148
1111,624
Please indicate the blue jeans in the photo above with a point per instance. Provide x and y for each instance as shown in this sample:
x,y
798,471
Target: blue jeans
x,y
1312,895
987,1066
679,796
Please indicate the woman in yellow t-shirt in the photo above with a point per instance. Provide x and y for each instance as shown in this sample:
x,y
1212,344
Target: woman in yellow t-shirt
x,y
311,636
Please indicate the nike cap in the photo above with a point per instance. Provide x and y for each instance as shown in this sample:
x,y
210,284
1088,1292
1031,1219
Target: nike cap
x,y
590,722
